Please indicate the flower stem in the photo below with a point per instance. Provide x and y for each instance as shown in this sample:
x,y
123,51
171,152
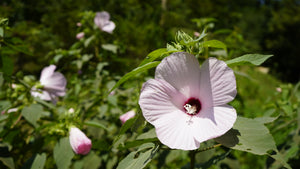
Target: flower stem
x,y
192,156
208,148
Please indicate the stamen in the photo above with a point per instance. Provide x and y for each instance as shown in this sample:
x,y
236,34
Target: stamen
x,y
190,109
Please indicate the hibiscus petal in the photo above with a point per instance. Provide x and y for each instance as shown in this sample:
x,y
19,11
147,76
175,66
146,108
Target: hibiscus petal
x,y
217,82
55,83
213,122
158,98
182,71
175,131
44,95
109,27
47,72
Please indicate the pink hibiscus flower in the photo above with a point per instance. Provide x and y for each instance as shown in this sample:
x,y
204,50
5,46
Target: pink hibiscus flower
x,y
102,21
187,104
54,84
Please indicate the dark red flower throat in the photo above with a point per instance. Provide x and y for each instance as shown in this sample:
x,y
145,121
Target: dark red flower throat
x,y
192,106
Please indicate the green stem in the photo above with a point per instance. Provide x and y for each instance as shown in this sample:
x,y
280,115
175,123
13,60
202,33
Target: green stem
x,y
192,156
208,148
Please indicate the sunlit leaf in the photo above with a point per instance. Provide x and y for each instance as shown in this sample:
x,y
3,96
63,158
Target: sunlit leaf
x,y
149,134
4,104
96,124
255,59
214,44
89,40
250,135
49,105
154,55
8,161
63,153
39,161
135,143
110,47
140,158
92,161
33,113
134,72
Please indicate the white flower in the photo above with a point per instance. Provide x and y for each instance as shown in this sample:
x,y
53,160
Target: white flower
x,y
187,104
80,143
127,116
102,21
54,84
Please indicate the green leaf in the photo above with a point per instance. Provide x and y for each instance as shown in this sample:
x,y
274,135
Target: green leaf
x,y
89,40
18,48
1,79
49,105
154,55
39,161
63,153
8,161
140,158
4,104
134,72
251,135
278,157
136,143
3,21
265,119
255,59
1,32
214,44
92,161
5,156
33,113
7,66
214,160
110,47
96,124
149,134
124,128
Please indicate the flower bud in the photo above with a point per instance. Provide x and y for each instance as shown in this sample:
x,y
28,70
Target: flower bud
x,y
80,143
127,116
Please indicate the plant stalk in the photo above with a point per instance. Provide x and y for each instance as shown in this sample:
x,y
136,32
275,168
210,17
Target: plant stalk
x,y
192,156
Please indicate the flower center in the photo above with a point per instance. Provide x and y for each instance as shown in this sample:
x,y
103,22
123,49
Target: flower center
x,y
192,106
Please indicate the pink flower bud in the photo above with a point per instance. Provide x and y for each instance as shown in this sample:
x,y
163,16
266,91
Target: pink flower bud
x,y
127,116
80,143
197,34
78,24
278,89
80,35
